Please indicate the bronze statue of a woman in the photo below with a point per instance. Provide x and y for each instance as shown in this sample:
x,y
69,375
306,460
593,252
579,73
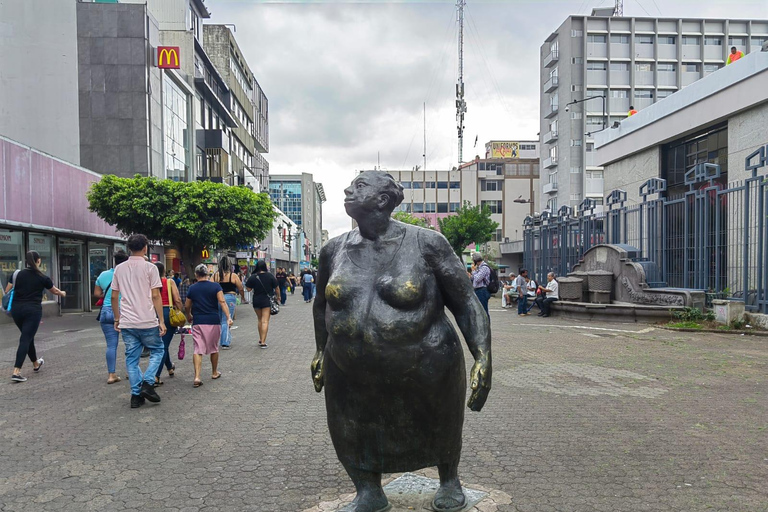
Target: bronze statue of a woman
x,y
390,359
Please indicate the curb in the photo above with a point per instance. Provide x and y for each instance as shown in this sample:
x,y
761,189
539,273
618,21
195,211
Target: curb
x,y
763,334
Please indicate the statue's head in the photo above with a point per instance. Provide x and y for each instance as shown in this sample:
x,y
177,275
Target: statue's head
x,y
370,192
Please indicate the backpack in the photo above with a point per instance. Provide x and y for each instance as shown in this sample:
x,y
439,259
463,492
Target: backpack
x,y
493,281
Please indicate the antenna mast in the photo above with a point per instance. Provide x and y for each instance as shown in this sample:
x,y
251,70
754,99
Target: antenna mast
x,y
461,105
425,136
619,10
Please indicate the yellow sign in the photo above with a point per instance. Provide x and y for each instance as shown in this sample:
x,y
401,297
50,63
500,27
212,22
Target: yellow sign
x,y
168,57
505,150
206,254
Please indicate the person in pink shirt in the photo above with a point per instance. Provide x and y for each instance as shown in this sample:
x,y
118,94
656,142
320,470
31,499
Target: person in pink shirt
x,y
139,317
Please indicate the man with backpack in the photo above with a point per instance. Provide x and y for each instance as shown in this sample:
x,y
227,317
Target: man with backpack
x,y
483,280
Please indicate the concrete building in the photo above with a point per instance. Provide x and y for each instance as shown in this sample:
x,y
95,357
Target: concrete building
x,y
301,199
619,62
720,119
38,86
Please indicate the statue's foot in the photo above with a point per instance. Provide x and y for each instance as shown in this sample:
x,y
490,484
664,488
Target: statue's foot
x,y
370,502
449,498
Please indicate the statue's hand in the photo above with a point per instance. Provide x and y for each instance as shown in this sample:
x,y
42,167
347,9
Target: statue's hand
x,y
318,371
480,382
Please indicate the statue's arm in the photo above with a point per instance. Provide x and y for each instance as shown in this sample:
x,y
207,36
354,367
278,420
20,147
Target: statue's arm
x,y
460,299
318,312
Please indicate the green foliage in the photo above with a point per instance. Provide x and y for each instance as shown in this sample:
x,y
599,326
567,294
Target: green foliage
x,y
737,325
407,218
471,224
694,315
190,216
314,263
686,325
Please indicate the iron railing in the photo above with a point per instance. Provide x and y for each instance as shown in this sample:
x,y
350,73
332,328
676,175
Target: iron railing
x,y
712,237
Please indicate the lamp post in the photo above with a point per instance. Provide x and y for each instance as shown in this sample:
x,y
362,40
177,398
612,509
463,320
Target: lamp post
x,y
520,200
605,115
290,238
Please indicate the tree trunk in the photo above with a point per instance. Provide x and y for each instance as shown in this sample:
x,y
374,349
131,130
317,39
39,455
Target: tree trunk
x,y
192,257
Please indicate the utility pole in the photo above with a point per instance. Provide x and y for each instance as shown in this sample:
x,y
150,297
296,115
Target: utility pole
x,y
619,10
461,105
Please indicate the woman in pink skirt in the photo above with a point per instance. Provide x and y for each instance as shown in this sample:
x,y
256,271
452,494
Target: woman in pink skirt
x,y
202,305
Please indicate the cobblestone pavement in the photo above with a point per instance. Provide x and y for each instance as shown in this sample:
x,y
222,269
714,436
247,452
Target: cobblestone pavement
x,y
592,417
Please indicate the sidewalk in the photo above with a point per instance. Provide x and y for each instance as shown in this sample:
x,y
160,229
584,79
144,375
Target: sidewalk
x,y
591,417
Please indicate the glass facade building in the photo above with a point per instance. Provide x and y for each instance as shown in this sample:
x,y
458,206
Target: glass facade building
x,y
286,195
175,120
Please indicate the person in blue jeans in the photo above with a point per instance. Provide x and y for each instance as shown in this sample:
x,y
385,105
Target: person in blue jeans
x,y
107,316
481,277
232,286
170,295
307,280
521,281
139,317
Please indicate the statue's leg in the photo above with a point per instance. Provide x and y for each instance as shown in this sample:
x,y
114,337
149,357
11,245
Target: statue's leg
x,y
370,496
449,497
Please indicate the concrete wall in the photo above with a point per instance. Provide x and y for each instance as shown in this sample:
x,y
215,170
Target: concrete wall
x,y
628,174
746,132
116,75
38,81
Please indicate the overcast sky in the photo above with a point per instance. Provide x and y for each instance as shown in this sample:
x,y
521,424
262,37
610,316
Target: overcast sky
x,y
347,81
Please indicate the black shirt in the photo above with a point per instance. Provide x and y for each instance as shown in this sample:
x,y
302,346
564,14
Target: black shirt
x,y
282,278
29,287
267,279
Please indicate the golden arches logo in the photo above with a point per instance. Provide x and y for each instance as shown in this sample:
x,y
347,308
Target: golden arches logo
x,y
168,57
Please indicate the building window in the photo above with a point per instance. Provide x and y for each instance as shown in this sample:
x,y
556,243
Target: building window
x,y
430,208
663,93
405,207
442,207
711,68
11,254
577,88
405,184
620,38
455,185
691,40
757,43
527,147
576,142
430,184
680,156
619,93
493,206
442,185
491,185
643,39
596,66
175,121
575,197
575,170
577,33
417,185
713,41
619,66
641,93
666,66
498,236
576,115
644,66
690,67
737,41
596,38
667,39
577,60
590,147
454,207
418,207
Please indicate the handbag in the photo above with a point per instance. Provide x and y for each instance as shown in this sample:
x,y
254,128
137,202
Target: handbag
x,y
182,348
98,317
175,316
274,307
8,297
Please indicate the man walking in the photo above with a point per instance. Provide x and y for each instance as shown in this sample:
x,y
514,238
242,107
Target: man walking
x,y
138,309
522,292
481,277
549,294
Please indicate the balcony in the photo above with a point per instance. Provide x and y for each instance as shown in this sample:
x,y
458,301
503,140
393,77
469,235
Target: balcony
x,y
552,111
550,136
549,188
212,139
550,59
551,84
550,162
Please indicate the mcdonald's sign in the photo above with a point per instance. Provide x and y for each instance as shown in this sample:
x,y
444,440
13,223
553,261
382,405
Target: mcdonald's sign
x,y
168,57
205,254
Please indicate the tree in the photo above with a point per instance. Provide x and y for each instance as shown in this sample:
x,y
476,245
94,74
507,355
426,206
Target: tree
x,y
191,216
407,218
471,224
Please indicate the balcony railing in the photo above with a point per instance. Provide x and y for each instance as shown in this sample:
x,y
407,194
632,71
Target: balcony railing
x,y
550,59
552,111
550,162
551,84
549,188
550,136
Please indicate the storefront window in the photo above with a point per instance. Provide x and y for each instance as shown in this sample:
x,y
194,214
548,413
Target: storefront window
x,y
11,254
43,244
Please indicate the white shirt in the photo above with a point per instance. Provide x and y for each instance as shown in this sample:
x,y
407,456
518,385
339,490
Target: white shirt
x,y
555,287
531,288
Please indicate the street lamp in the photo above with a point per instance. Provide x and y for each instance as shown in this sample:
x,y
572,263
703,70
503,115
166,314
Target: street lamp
x,y
605,115
520,200
290,239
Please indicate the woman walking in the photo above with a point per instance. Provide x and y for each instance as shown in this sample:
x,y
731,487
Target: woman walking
x,y
264,285
170,295
232,287
204,301
107,315
27,310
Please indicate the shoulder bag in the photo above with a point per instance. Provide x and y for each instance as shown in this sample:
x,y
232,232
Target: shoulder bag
x,y
274,307
175,316
8,297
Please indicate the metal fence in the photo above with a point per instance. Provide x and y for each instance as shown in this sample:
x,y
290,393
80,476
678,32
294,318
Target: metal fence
x,y
712,237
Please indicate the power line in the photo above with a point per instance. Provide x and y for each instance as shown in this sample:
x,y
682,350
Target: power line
x,y
657,8
643,8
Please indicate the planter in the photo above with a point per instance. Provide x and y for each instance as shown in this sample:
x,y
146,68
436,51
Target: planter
x,y
726,311
600,281
570,288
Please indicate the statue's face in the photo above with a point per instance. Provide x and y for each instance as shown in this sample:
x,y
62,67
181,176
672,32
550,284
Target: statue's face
x,y
365,195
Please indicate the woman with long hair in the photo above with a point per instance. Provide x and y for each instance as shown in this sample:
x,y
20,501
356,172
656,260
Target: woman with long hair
x,y
263,285
232,286
175,299
27,310
107,315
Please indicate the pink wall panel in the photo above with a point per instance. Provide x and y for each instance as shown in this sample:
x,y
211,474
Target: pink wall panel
x,y
39,190
17,182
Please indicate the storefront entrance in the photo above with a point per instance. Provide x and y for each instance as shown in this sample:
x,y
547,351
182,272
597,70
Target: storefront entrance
x,y
71,274
98,262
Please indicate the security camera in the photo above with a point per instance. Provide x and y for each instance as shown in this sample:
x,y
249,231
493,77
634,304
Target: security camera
x,y
567,109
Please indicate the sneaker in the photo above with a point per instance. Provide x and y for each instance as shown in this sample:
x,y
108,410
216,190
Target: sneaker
x,y
225,347
18,378
40,363
233,328
136,401
148,392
